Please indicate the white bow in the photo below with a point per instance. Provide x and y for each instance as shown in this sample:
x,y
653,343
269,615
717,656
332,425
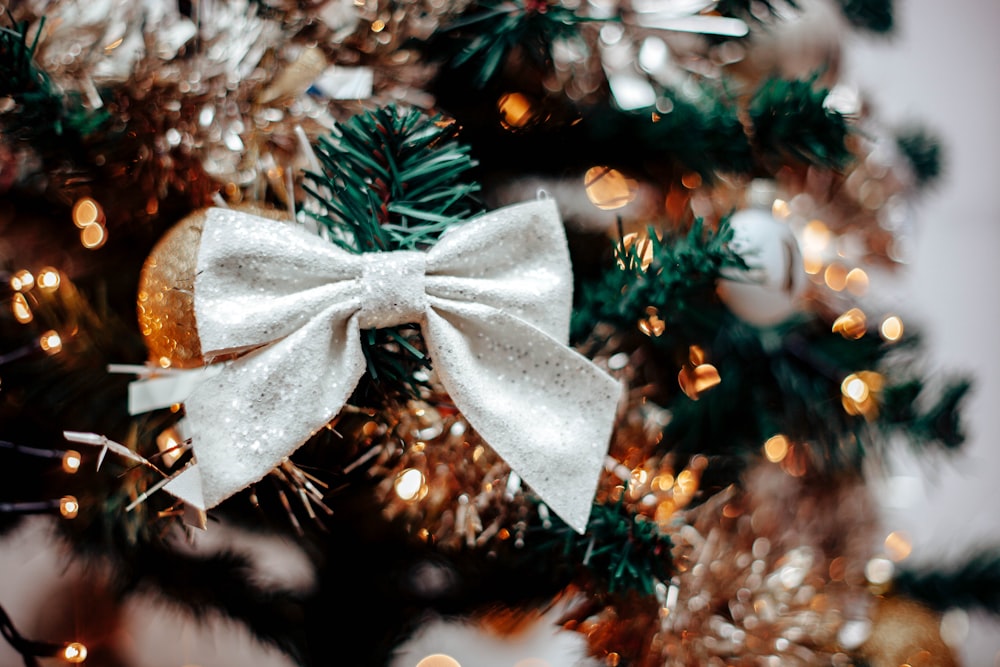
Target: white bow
x,y
492,297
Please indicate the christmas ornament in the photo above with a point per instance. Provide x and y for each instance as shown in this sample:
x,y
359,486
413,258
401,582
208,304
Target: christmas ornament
x,y
165,302
493,298
769,291
906,633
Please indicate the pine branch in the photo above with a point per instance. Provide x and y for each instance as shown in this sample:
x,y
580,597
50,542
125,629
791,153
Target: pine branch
x,y
676,286
876,16
219,583
940,424
972,584
481,38
790,121
749,9
923,151
621,550
42,115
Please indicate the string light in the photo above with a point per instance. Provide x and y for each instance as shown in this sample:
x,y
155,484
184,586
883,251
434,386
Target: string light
x,y
93,237
170,443
71,461
48,279
69,507
515,111
439,660
87,211
776,448
75,653
22,281
780,209
694,381
857,281
898,546
891,329
835,277
20,308
409,485
854,388
50,342
851,325
608,189
859,390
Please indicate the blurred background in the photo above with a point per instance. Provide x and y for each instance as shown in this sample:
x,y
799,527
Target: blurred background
x,y
941,67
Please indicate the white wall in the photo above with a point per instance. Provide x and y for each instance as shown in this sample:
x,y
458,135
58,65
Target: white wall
x,y
943,68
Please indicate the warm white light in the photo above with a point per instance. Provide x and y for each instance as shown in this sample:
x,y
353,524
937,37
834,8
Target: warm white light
x,y
854,388
409,484
71,461
439,660
22,311
22,281
75,653
776,448
93,236
48,279
69,508
892,328
86,211
50,342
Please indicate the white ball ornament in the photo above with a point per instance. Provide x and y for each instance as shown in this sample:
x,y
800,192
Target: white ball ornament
x,y
769,292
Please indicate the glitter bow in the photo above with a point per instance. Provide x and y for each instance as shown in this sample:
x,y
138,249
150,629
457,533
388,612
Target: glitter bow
x,y
492,297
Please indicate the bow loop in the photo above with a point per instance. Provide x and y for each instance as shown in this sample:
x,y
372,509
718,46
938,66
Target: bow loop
x,y
493,298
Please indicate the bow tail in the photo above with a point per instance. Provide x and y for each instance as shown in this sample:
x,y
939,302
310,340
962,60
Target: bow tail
x,y
263,406
518,387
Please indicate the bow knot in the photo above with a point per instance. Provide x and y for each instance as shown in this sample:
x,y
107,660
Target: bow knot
x,y
493,299
394,290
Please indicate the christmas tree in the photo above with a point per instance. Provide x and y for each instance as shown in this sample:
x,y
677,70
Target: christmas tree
x,y
532,333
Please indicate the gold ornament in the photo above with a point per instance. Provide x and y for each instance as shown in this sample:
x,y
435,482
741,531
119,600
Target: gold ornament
x,y
165,302
906,633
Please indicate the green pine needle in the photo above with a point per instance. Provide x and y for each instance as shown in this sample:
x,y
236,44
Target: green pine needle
x,y
42,115
678,284
923,150
972,584
622,550
749,9
392,179
790,121
483,37
874,15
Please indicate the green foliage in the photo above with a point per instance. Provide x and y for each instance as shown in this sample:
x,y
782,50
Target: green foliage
x,y
41,114
874,15
391,180
790,122
923,151
783,379
679,283
972,584
748,9
940,423
622,550
703,134
486,33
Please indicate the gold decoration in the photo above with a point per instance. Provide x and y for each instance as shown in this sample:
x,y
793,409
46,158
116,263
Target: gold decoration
x,y
851,325
906,633
166,295
165,303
